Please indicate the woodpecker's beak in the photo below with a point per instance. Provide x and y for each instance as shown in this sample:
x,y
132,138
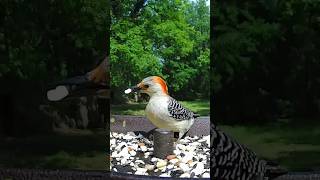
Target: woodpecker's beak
x,y
133,89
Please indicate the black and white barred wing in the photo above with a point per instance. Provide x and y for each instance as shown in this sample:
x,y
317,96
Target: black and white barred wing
x,y
231,160
177,111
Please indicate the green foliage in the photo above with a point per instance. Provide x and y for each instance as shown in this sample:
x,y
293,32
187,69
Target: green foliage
x,y
169,39
266,53
131,56
48,40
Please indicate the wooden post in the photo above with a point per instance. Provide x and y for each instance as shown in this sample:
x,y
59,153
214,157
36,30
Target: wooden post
x,y
163,143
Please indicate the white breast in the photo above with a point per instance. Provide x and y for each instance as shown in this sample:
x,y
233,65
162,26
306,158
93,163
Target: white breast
x,y
157,113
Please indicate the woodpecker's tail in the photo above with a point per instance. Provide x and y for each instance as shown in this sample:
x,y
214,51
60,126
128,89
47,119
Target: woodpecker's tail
x,y
273,170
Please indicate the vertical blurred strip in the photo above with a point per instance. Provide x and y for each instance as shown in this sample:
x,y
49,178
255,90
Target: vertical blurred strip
x,y
212,4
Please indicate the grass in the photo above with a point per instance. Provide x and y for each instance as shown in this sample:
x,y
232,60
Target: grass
x,y
79,149
135,109
201,107
294,146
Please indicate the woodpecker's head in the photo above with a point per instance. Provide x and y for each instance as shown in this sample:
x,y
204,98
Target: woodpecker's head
x,y
150,85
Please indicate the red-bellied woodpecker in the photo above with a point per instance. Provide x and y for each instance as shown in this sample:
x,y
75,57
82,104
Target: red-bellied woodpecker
x,y
162,110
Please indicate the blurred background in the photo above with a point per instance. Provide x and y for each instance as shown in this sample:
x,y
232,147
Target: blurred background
x,y
266,77
42,43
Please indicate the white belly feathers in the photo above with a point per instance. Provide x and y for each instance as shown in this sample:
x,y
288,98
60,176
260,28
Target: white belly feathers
x,y
157,113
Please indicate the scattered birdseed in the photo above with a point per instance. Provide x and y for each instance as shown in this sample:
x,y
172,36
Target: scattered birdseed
x,y
133,154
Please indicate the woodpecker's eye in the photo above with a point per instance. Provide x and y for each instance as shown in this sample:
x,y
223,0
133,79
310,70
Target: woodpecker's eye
x,y
146,86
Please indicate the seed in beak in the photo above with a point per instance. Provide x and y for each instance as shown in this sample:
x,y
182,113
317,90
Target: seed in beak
x,y
128,91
